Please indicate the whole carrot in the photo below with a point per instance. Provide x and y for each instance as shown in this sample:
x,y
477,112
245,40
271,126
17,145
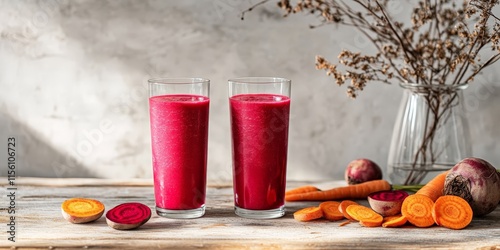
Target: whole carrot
x,y
358,191
302,189
434,188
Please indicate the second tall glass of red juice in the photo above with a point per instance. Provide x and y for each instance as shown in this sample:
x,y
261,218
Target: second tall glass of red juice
x,y
259,111
179,137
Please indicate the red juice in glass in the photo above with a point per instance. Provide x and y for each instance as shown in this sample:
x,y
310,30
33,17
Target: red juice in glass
x,y
259,125
179,136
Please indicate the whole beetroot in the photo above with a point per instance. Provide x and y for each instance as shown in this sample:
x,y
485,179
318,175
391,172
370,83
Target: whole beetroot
x,y
362,170
477,181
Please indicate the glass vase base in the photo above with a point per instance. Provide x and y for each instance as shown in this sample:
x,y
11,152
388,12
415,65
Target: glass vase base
x,y
260,214
408,175
181,214
431,132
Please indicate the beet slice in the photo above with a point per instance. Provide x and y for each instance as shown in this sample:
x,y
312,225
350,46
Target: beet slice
x,y
82,210
128,216
387,203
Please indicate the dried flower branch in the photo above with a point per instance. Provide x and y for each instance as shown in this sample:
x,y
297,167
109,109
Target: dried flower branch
x,y
438,51
441,46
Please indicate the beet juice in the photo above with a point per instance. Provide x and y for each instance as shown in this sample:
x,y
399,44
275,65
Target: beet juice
x,y
259,124
179,133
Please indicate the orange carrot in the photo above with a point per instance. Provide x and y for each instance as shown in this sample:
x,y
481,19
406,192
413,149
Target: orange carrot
x,y
394,221
434,188
366,216
331,210
302,189
344,223
343,206
81,210
371,223
417,208
308,214
452,212
358,191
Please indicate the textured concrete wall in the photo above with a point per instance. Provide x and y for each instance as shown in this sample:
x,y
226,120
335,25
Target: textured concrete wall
x,y
73,74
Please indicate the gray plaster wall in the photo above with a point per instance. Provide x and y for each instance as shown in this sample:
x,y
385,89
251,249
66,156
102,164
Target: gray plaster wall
x,y
73,85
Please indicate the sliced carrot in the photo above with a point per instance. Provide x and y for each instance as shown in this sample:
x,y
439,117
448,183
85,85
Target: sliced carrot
x,y
394,221
371,223
417,208
308,214
331,210
452,212
302,189
358,191
343,206
434,188
365,215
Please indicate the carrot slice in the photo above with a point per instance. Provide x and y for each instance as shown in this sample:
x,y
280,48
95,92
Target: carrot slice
x,y
81,210
331,210
417,208
366,216
452,211
394,221
343,206
370,223
301,190
308,214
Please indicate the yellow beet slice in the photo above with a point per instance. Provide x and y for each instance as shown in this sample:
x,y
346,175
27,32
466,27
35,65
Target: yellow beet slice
x,y
82,210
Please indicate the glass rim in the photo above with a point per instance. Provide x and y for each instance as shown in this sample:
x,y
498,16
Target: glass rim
x,y
178,80
259,80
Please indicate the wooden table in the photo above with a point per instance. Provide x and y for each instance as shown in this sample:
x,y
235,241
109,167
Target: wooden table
x,y
40,225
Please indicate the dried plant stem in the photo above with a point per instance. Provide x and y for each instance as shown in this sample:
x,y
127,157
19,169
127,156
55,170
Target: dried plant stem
x,y
433,121
439,47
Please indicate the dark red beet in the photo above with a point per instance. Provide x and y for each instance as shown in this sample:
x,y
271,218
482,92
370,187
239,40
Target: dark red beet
x,y
476,181
362,170
128,216
395,195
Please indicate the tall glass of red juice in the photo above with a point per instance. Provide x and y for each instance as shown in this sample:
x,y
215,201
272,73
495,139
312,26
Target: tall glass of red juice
x,y
178,109
259,111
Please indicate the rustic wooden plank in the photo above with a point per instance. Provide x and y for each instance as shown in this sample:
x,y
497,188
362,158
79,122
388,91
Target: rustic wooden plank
x,y
39,224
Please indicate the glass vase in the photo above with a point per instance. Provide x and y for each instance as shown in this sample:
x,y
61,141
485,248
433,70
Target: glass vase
x,y
430,135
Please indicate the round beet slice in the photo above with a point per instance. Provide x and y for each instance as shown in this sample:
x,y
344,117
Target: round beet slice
x,y
128,216
82,210
387,203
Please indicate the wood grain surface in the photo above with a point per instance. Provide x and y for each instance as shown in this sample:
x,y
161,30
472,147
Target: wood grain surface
x,y
40,225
